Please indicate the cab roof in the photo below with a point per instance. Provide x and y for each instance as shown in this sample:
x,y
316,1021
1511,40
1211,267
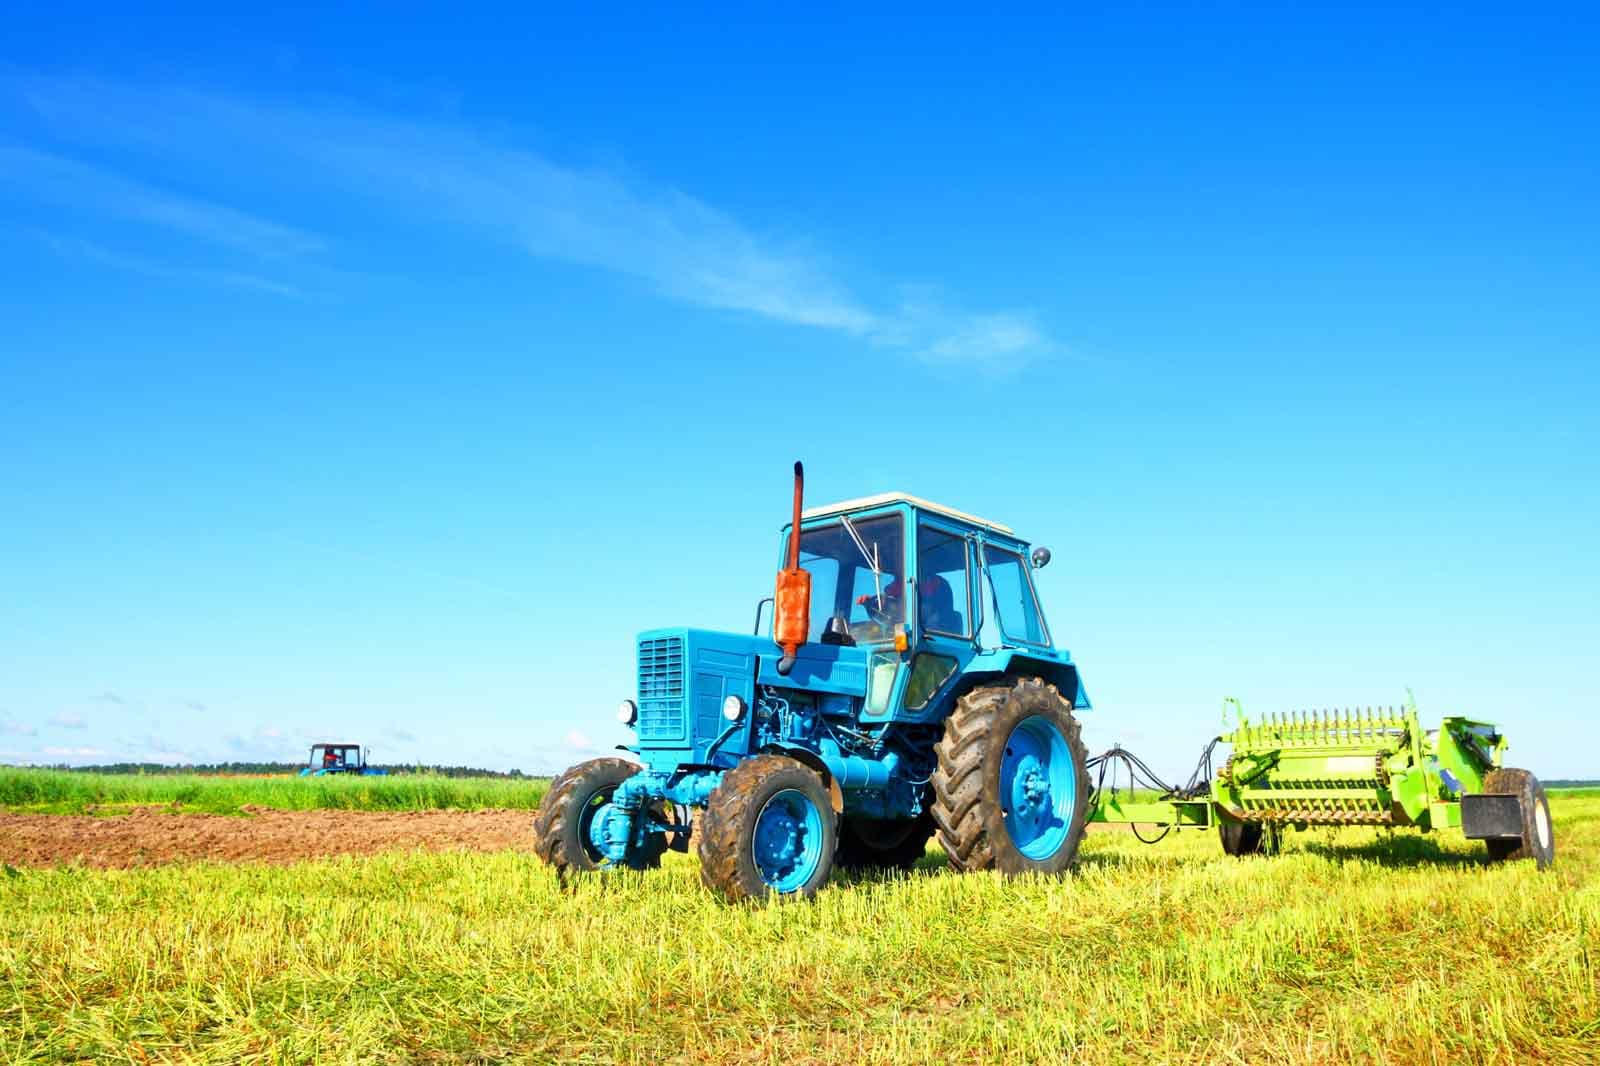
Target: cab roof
x,y
883,498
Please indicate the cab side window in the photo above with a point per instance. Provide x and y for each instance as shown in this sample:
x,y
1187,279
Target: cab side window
x,y
943,582
1013,596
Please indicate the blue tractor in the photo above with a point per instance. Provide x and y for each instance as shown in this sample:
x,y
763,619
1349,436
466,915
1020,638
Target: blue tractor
x,y
339,759
908,686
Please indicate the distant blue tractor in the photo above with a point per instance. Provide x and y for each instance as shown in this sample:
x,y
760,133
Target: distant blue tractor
x,y
908,686
339,759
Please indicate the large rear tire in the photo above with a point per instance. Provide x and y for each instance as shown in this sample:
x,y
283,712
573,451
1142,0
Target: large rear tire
x,y
1011,792
873,844
561,824
768,829
1538,836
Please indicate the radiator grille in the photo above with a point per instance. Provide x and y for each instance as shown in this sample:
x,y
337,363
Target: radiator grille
x,y
661,689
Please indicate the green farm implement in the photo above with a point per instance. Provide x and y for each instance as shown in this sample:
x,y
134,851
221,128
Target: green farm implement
x,y
1344,768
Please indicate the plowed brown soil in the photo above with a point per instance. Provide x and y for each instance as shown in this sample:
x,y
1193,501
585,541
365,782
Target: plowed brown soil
x,y
151,835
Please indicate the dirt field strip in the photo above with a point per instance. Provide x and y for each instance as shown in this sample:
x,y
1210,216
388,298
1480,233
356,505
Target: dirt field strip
x,y
147,836
152,835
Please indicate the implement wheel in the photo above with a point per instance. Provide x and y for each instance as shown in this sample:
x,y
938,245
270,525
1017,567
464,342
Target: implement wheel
x,y
768,829
1249,838
581,795
1538,838
1011,792
872,843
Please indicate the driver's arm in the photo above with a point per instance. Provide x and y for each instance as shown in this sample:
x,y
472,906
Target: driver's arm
x,y
883,604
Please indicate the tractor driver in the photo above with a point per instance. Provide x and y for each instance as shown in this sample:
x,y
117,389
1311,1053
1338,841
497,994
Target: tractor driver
x,y
329,758
936,605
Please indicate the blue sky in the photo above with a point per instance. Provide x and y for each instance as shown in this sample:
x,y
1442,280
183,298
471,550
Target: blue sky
x,y
381,379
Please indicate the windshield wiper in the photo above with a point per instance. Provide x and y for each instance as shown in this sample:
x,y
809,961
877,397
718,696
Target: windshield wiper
x,y
870,557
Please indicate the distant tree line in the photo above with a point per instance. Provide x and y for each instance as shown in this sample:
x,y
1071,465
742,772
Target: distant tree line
x,y
281,768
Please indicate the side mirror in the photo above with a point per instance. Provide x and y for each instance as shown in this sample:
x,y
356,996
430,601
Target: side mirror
x,y
1041,558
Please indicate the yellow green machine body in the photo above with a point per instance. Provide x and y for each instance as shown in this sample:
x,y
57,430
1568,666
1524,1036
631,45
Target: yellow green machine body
x,y
1361,767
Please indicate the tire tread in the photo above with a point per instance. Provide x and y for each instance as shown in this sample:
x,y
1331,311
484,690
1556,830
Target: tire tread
x,y
555,810
719,831
960,815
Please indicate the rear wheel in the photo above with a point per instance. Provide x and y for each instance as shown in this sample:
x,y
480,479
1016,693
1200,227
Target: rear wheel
x,y
768,829
1011,790
1538,838
563,826
873,843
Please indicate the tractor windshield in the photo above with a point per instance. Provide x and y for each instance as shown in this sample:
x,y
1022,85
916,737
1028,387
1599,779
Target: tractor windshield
x,y
860,586
333,756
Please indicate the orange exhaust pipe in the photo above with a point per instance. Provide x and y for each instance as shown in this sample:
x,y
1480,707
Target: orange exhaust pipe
x,y
791,609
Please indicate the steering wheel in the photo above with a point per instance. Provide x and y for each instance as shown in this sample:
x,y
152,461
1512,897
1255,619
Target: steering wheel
x,y
876,614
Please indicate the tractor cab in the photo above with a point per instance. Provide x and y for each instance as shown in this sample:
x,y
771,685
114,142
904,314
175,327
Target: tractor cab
x,y
335,759
927,593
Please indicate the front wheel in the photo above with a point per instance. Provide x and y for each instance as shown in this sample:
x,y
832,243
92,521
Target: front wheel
x,y
768,829
564,826
1011,792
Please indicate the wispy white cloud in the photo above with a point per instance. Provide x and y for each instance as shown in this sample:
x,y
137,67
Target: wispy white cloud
x,y
68,720
404,736
267,743
485,184
925,324
12,728
548,756
78,248
152,748
68,182
72,752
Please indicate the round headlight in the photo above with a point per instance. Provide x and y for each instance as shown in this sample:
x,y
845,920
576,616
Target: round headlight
x,y
732,708
627,712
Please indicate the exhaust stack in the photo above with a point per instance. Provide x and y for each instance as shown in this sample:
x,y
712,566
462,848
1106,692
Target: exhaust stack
x,y
791,612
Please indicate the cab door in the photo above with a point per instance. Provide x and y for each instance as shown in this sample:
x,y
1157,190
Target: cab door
x,y
944,602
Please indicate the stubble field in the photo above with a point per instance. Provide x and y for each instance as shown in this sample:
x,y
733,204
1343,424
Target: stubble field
x,y
1352,946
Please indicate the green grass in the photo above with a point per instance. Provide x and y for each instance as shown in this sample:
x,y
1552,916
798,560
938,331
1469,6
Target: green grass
x,y
63,792
1350,947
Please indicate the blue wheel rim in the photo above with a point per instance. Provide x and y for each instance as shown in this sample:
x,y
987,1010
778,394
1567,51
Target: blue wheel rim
x,y
787,842
591,824
1038,787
